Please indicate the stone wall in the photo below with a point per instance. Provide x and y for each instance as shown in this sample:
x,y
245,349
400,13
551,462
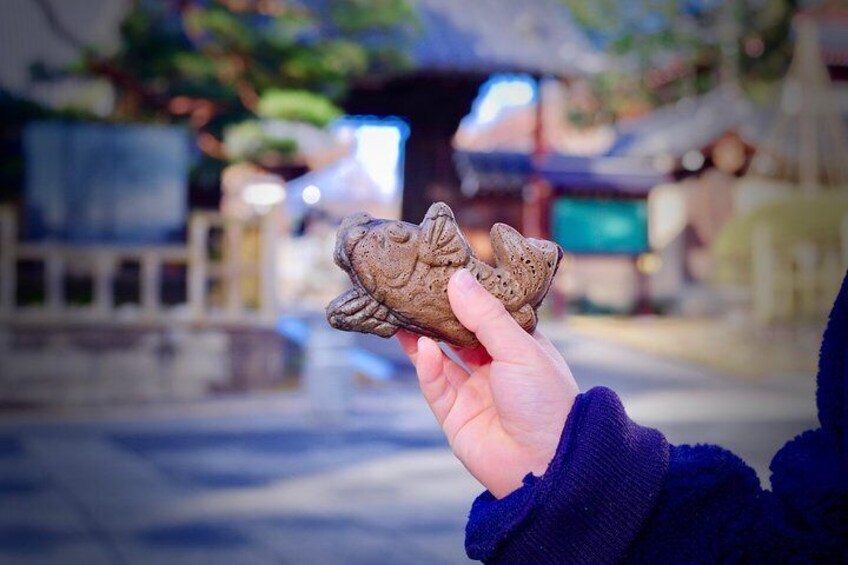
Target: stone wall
x,y
113,364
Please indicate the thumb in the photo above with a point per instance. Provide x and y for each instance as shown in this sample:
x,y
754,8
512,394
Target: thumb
x,y
485,316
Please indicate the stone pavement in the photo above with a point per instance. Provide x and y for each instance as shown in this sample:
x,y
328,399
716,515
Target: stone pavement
x,y
736,347
261,483
263,479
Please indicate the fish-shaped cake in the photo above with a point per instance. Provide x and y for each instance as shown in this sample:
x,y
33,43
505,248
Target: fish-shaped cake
x,y
400,275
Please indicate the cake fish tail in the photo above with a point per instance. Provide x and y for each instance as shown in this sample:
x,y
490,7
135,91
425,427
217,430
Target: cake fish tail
x,y
532,261
356,310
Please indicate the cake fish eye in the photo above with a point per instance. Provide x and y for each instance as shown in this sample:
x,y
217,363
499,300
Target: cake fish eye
x,y
358,233
399,233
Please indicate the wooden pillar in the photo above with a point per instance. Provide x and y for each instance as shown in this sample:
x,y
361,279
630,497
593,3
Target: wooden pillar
x,y
198,265
54,280
805,283
537,194
536,209
763,274
104,271
268,235
233,232
643,289
151,283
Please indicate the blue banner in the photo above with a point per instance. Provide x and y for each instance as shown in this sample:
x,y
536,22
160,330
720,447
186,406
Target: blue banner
x,y
99,183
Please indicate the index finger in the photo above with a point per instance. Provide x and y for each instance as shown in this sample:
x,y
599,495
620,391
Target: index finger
x,y
485,316
409,343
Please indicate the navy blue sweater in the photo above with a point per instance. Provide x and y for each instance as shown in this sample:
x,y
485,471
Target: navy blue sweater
x,y
617,492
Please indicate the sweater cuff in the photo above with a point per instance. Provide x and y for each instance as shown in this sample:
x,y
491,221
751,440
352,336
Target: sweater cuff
x,y
592,500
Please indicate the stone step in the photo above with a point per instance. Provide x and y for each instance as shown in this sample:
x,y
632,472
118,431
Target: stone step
x,y
102,364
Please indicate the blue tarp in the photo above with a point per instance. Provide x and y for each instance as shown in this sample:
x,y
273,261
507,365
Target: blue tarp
x,y
98,183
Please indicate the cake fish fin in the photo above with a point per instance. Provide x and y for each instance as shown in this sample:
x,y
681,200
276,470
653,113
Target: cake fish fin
x,y
357,311
531,261
526,317
441,243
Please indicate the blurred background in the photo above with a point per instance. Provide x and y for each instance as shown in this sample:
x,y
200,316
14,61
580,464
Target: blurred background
x,y
171,178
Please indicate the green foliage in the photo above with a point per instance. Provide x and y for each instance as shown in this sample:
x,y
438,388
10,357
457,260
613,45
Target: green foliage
x,y
769,27
297,105
644,28
701,33
248,141
362,17
214,63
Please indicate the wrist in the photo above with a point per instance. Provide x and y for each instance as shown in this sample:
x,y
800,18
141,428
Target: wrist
x,y
531,462
607,471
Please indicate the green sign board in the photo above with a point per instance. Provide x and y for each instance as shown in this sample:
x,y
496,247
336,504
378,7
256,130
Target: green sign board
x,y
597,226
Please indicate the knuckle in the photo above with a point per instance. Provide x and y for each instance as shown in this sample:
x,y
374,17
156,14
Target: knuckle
x,y
490,308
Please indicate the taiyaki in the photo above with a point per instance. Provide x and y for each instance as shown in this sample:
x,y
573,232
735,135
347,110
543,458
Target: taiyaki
x,y
400,273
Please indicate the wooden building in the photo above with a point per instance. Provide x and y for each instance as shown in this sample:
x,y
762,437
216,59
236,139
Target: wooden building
x,y
605,208
460,45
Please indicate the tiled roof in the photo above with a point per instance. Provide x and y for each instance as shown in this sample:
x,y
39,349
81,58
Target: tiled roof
x,y
509,172
537,36
485,36
691,123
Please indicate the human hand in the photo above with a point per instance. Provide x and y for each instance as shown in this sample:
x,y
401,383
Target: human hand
x,y
504,416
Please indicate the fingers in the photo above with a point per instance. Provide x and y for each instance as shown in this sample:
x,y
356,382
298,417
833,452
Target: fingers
x,y
438,376
555,356
547,346
438,390
473,358
484,315
409,343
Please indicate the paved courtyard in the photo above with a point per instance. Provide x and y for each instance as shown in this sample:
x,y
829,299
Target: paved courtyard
x,y
265,479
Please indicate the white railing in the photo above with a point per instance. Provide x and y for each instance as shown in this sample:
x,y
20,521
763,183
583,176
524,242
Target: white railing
x,y
238,264
799,284
249,254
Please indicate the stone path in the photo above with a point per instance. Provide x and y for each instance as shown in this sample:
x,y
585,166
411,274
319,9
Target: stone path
x,y
262,479
261,487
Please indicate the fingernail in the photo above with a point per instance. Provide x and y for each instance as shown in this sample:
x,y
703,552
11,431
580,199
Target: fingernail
x,y
464,280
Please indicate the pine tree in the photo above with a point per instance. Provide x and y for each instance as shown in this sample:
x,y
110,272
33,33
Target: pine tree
x,y
706,41
210,64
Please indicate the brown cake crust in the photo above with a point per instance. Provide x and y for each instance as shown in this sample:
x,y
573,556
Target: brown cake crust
x,y
400,272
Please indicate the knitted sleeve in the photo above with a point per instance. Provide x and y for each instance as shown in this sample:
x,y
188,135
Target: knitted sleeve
x,y
712,509
616,492
591,502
